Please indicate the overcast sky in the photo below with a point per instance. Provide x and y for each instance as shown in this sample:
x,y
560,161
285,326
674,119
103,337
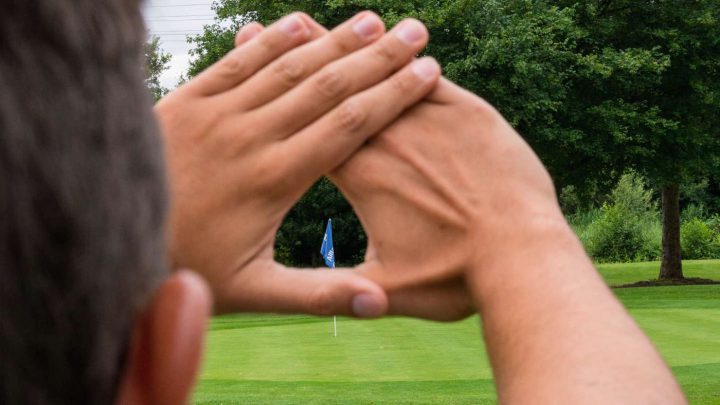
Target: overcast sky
x,y
172,21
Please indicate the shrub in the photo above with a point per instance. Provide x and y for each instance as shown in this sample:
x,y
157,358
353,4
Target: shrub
x,y
693,211
612,237
631,195
651,248
619,235
698,240
581,220
569,200
714,223
627,228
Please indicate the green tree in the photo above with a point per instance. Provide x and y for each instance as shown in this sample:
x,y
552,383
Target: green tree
x,y
702,194
518,54
156,62
597,87
650,94
699,240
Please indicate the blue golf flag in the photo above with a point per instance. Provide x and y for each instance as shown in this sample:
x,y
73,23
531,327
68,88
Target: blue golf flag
x,y
326,250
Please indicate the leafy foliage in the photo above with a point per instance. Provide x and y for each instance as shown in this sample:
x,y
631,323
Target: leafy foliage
x,y
693,211
627,228
597,87
617,237
701,195
157,61
699,241
299,238
652,85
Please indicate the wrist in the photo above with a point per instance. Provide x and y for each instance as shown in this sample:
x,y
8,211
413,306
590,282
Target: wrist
x,y
540,246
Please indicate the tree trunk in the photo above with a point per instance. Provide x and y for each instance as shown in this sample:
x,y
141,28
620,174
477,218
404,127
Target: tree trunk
x,y
671,267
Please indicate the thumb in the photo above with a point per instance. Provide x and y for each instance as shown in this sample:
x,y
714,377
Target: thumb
x,y
411,293
310,291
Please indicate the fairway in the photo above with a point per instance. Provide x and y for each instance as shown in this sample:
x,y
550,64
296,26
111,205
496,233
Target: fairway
x,y
267,359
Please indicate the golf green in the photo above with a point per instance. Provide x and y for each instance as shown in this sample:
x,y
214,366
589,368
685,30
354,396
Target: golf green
x,y
270,359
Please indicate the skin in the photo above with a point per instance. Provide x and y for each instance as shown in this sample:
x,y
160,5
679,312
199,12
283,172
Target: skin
x,y
244,143
167,342
227,234
481,230
481,225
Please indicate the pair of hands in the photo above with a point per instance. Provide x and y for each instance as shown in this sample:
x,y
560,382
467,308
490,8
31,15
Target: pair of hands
x,y
459,212
437,177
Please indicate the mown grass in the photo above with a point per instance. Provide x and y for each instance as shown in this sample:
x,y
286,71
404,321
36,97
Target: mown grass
x,y
623,273
266,359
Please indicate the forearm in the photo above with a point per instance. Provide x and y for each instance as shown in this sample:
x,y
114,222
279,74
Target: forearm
x,y
555,332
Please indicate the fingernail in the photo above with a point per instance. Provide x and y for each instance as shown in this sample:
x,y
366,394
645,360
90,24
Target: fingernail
x,y
368,26
410,31
366,306
425,68
291,25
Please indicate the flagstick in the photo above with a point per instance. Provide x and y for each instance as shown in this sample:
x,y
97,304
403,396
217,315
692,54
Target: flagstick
x,y
334,316
328,253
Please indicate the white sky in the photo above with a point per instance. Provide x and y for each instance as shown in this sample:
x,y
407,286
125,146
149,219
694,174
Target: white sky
x,y
173,21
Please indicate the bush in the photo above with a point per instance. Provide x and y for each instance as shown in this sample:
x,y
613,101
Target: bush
x,y
569,200
632,196
651,248
693,211
620,236
698,240
714,224
581,220
612,237
625,229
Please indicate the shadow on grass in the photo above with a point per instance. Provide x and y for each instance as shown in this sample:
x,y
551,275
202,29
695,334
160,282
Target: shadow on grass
x,y
669,282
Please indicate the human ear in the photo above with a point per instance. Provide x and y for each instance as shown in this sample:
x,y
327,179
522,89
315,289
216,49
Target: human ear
x,y
166,346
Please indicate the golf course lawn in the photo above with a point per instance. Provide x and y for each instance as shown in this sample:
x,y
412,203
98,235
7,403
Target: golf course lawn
x,y
269,359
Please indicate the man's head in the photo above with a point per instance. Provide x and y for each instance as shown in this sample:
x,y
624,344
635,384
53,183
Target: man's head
x,y
82,212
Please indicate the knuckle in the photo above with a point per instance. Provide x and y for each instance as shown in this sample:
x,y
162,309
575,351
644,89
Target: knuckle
x,y
269,177
320,301
385,51
303,16
272,173
351,116
331,83
232,64
267,43
484,110
341,45
401,84
290,71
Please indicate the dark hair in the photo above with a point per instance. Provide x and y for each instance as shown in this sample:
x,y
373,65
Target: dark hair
x,y
82,197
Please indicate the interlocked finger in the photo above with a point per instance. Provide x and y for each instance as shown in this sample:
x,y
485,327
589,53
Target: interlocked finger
x,y
247,33
324,145
339,80
247,59
296,65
